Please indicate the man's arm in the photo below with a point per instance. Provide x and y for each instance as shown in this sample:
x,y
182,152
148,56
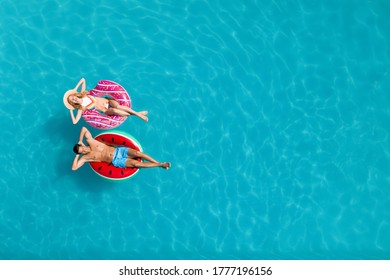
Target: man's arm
x,y
78,162
84,133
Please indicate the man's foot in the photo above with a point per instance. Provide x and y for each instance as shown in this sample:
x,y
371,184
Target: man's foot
x,y
166,165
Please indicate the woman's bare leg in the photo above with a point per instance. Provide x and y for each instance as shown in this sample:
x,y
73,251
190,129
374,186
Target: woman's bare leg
x,y
114,104
116,112
132,112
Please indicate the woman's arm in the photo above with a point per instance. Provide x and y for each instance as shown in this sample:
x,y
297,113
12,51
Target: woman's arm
x,y
82,84
78,116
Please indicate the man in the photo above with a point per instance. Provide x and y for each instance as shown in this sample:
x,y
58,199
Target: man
x,y
117,156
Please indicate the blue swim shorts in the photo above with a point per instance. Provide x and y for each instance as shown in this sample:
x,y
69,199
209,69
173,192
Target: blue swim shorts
x,y
120,157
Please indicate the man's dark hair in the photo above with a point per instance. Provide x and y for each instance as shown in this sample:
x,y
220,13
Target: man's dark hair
x,y
76,148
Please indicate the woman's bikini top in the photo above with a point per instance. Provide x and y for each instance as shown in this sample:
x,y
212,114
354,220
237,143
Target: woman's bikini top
x,y
89,102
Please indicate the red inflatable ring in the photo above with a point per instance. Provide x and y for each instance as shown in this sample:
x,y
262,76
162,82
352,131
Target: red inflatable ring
x,y
107,170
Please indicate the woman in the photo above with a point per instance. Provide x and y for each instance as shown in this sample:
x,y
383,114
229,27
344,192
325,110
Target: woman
x,y
84,101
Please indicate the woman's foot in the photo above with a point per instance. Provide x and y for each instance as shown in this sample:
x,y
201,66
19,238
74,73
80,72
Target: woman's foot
x,y
145,118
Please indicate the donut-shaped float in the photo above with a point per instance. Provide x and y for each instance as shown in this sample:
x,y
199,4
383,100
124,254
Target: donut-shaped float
x,y
107,170
111,89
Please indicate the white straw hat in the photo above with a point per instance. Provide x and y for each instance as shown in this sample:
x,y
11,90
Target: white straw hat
x,y
66,95
72,91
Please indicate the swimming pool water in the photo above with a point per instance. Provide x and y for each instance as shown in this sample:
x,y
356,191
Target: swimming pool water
x,y
275,116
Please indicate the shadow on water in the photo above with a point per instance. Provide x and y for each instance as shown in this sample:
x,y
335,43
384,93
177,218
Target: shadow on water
x,y
61,133
86,179
63,136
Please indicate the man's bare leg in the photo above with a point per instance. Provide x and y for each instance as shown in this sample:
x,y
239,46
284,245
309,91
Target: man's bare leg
x,y
137,164
137,154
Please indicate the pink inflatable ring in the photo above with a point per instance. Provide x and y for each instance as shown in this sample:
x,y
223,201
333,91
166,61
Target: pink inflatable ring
x,y
105,88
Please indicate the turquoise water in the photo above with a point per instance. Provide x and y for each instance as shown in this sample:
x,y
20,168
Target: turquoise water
x,y
274,114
